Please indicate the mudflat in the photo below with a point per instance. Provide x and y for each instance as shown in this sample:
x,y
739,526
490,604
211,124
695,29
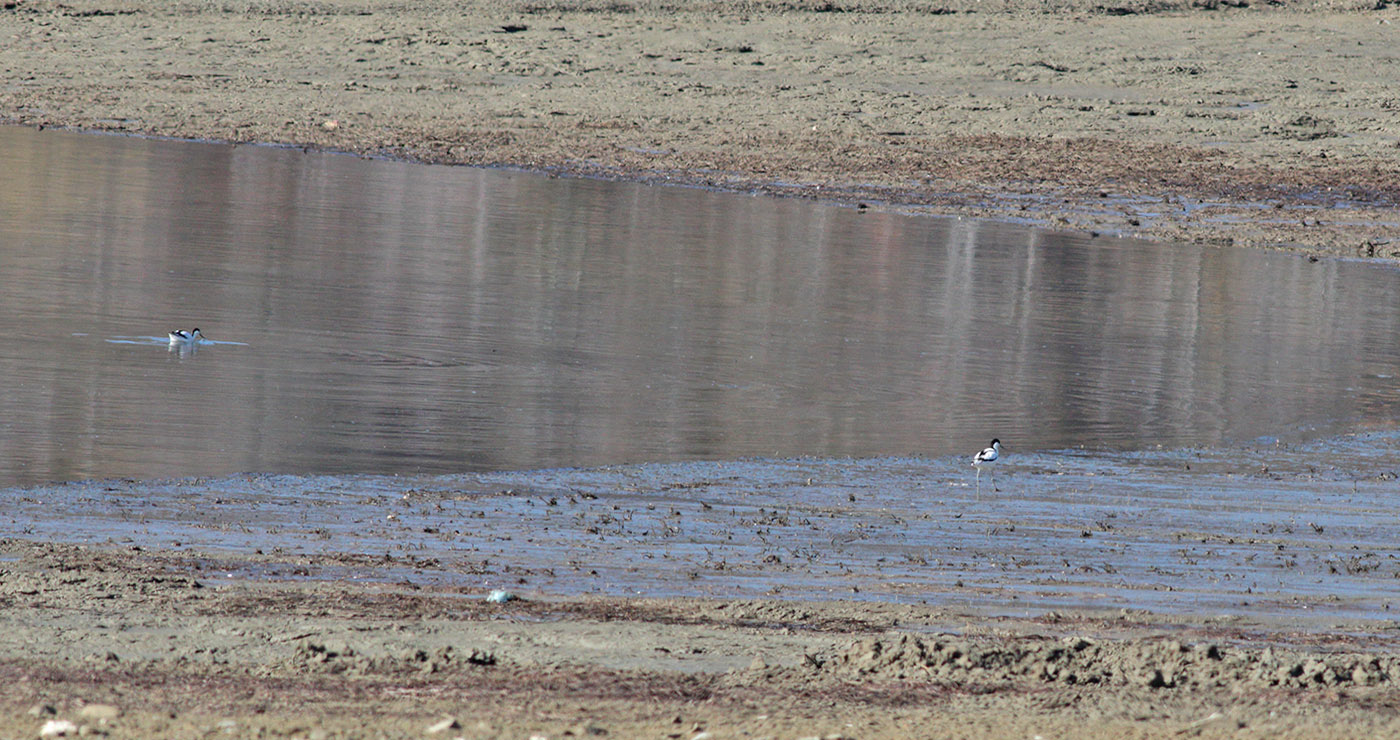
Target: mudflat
x,y
1271,126
885,598
131,643
1223,122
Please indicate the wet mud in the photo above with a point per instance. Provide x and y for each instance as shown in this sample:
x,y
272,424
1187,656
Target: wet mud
x,y
1237,592
1268,531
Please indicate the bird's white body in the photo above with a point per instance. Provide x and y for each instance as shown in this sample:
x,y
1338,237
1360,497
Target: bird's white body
x,y
989,455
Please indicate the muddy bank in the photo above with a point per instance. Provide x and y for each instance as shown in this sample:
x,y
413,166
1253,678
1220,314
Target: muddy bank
x,y
786,598
1272,126
107,642
1252,534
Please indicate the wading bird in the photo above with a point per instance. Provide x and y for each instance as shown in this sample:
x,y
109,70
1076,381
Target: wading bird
x,y
989,455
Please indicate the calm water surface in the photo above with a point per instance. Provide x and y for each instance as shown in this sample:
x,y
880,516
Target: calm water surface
x,y
385,317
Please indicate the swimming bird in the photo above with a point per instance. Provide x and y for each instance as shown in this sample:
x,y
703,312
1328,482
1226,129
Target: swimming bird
x,y
180,336
989,455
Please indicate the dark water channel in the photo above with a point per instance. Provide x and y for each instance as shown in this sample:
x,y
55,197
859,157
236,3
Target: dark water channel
x,y
382,317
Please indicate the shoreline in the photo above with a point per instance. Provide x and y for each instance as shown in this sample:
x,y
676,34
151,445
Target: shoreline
x,y
1069,119
864,599
1272,127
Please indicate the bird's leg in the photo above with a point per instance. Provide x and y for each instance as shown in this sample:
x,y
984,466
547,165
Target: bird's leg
x,y
994,483
978,468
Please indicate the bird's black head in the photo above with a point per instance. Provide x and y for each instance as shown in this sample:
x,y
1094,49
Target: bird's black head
x,y
994,443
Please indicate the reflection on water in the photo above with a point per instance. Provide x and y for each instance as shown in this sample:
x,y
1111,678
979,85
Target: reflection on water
x,y
385,317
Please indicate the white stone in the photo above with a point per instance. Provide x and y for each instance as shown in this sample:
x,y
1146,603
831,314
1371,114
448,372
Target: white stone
x,y
449,723
58,728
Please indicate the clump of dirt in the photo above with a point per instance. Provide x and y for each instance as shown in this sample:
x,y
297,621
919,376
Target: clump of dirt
x,y
312,656
1155,664
49,575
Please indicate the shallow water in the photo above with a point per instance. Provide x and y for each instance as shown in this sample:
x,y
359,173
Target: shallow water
x,y
1268,532
384,317
709,394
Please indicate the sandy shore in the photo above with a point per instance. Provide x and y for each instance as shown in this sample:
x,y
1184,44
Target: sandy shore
x,y
1200,121
1269,126
150,644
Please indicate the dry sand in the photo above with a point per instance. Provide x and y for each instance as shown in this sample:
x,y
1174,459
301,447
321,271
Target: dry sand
x,y
1211,121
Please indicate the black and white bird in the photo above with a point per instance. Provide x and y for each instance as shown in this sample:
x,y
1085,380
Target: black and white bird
x,y
985,457
180,336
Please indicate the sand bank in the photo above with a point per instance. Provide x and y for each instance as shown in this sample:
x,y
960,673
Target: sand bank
x,y
1267,126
